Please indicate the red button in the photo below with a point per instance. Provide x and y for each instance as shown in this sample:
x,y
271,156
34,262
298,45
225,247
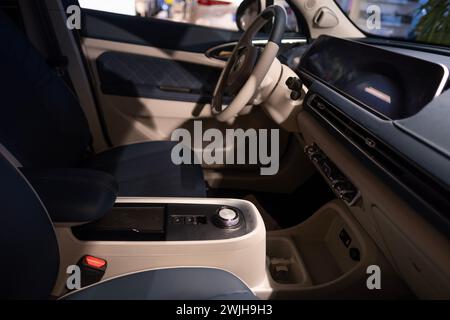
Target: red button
x,y
95,262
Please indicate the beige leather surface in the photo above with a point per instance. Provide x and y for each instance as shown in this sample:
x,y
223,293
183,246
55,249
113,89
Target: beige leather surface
x,y
321,262
414,247
344,29
243,256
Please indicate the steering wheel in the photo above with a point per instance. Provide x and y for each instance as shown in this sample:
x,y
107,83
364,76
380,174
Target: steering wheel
x,y
246,68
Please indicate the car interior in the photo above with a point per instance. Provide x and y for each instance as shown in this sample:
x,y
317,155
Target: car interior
x,y
87,176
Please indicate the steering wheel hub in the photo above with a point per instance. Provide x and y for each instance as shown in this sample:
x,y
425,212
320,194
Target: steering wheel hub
x,y
242,69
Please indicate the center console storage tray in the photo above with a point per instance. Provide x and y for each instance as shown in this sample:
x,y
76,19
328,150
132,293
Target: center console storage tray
x,y
126,222
162,222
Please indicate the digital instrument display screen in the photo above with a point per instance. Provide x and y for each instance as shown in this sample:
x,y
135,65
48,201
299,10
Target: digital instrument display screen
x,y
390,84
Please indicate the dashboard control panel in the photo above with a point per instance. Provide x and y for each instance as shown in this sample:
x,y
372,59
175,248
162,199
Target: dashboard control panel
x,y
204,222
296,86
339,183
227,218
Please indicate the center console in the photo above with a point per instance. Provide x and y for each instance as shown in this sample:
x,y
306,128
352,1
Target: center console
x,y
151,233
168,222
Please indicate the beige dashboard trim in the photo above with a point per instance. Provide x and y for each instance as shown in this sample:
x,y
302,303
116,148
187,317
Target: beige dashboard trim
x,y
95,47
406,239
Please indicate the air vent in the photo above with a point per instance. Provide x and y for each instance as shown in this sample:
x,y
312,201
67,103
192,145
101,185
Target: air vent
x,y
391,162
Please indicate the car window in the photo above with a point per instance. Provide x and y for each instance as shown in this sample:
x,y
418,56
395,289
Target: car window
x,y
412,20
213,13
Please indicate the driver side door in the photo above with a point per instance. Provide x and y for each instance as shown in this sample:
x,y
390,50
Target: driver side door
x,y
152,76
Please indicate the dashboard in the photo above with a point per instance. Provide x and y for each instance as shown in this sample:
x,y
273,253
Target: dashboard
x,y
375,122
389,84
390,109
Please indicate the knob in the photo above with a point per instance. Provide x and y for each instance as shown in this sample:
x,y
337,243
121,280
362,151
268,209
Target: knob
x,y
311,149
290,82
348,195
227,218
318,158
294,84
295,95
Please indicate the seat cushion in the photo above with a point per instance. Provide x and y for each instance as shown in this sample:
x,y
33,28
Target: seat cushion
x,y
30,255
146,170
169,284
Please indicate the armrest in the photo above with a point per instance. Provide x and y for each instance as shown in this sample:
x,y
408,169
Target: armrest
x,y
74,195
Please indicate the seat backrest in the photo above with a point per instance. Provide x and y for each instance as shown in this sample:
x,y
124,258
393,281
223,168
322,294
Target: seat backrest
x,y
41,121
29,250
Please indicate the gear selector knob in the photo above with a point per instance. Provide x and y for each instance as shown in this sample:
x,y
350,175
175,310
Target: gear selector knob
x,y
227,218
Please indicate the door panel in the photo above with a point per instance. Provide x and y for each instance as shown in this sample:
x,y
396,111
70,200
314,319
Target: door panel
x,y
133,60
132,118
134,75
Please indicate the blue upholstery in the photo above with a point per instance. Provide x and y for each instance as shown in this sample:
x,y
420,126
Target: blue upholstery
x,y
43,126
29,252
30,258
74,195
41,121
169,284
146,169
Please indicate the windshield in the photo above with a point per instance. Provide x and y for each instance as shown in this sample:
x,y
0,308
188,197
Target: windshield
x,y
412,20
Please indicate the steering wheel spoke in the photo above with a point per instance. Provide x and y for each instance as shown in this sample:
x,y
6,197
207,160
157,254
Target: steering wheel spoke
x,y
247,67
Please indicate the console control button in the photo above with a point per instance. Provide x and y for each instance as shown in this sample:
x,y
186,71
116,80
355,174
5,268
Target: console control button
x,y
295,85
339,183
227,214
177,220
227,218
189,220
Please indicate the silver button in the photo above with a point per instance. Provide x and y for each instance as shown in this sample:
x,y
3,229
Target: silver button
x,y
227,214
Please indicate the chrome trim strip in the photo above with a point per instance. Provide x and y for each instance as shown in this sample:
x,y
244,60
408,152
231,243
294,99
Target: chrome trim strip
x,y
9,156
444,80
